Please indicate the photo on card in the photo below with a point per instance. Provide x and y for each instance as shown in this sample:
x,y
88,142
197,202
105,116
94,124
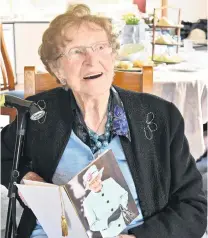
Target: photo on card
x,y
102,198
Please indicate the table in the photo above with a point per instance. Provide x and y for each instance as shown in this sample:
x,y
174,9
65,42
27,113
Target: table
x,y
188,91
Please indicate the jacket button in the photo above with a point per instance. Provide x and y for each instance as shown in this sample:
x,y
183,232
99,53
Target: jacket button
x,y
108,201
102,194
119,225
111,209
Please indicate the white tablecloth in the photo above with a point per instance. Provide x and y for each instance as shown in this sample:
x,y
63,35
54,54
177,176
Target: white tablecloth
x,y
188,91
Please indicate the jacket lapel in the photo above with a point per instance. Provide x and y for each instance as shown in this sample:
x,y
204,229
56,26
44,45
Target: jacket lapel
x,y
63,128
136,155
135,168
48,139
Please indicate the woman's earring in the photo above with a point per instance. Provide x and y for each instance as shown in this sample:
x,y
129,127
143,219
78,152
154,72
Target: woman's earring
x,y
63,81
64,84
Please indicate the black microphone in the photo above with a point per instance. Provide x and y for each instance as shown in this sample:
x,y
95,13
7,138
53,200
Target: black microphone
x,y
11,101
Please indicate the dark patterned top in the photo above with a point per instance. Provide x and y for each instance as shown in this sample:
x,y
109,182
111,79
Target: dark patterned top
x,y
119,122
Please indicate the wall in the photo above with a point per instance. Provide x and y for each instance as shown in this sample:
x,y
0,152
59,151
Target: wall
x,y
141,4
192,10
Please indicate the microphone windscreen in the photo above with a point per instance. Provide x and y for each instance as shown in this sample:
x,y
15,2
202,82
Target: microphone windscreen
x,y
36,112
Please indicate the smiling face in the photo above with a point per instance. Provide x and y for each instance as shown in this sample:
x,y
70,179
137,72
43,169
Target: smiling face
x,y
96,184
87,70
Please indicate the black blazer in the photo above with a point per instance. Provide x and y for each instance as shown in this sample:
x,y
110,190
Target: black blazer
x,y
167,182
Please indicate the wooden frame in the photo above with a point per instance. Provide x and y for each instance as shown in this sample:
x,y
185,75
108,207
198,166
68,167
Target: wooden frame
x,y
8,75
178,27
164,8
38,82
137,81
11,112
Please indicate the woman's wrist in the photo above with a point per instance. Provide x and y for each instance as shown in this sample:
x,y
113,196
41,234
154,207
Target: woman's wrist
x,y
32,176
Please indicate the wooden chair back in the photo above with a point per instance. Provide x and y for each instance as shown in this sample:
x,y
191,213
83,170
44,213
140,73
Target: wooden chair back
x,y
38,82
5,65
11,112
136,81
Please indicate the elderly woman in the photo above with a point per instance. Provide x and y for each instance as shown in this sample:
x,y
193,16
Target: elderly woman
x,y
89,115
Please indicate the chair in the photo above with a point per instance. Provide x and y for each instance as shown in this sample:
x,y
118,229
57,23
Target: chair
x,y
38,82
135,81
7,74
11,112
5,64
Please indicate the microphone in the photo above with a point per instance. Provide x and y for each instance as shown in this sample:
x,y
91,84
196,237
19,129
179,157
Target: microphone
x,y
11,101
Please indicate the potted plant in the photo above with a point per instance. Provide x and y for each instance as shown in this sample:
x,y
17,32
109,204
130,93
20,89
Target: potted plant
x,y
131,21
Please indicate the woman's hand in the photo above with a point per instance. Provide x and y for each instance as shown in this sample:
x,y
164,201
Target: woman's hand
x,y
30,176
33,176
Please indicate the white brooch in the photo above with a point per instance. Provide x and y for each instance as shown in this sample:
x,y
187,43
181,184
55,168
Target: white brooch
x,y
150,126
42,105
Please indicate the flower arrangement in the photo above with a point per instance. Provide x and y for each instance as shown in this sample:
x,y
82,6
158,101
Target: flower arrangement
x,y
131,19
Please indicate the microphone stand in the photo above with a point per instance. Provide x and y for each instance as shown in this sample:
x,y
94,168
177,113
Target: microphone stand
x,y
11,225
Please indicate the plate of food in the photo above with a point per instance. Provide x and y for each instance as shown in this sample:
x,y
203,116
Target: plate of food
x,y
167,62
130,52
134,69
168,59
165,22
184,67
166,40
184,70
127,66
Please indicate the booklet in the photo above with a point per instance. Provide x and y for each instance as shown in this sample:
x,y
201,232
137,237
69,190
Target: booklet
x,y
95,203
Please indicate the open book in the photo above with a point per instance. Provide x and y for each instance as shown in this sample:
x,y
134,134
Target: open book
x,y
96,202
